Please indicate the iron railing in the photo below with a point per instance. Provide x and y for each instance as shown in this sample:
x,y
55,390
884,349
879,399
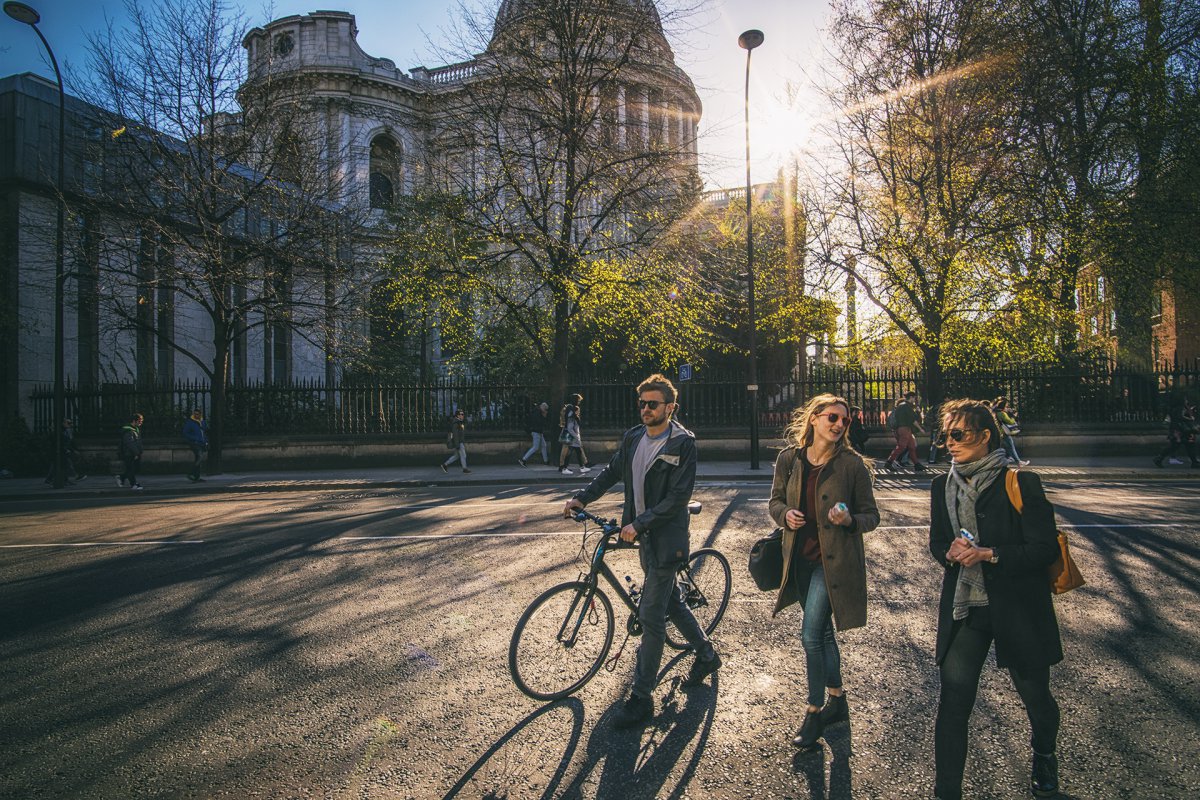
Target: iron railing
x,y
1097,394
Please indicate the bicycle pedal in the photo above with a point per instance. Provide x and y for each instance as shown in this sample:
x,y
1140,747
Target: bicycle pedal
x,y
633,626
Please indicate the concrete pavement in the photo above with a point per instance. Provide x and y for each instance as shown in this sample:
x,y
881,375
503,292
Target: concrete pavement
x,y
1115,468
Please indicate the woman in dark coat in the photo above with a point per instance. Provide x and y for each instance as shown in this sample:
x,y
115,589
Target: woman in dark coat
x,y
995,589
823,500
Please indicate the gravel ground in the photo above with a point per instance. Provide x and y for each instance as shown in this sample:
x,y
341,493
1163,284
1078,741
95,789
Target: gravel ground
x,y
280,660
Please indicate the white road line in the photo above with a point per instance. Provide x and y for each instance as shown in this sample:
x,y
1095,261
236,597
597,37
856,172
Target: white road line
x,y
100,544
1097,525
457,536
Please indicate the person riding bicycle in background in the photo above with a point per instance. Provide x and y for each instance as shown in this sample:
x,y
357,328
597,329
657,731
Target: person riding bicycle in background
x,y
657,463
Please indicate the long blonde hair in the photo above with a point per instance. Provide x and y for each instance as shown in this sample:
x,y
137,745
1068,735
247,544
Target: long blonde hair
x,y
799,432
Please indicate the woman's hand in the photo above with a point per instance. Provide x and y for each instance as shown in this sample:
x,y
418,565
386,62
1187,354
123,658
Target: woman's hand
x,y
793,519
963,552
840,515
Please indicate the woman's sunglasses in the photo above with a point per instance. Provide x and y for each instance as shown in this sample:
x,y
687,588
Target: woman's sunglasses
x,y
835,418
957,434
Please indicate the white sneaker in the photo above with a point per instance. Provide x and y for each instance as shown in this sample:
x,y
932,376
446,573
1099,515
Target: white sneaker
x,y
121,482
1023,462
584,469
137,487
566,471
1173,460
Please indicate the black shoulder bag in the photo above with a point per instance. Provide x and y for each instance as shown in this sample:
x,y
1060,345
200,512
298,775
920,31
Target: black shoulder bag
x,y
766,556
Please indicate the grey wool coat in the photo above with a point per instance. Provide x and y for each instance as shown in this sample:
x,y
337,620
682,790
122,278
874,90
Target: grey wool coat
x,y
846,479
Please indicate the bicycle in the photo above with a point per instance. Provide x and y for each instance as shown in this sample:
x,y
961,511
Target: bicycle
x,y
563,637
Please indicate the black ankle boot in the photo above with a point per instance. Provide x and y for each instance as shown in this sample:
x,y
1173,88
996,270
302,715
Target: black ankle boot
x,y
835,710
1044,780
810,731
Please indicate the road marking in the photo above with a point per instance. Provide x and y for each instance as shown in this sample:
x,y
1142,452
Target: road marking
x,y
1096,525
457,536
101,544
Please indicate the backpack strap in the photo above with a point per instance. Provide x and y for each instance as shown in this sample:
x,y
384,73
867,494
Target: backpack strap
x,y
1014,490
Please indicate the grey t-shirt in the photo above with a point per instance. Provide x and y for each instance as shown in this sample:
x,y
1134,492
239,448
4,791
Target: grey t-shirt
x,y
644,453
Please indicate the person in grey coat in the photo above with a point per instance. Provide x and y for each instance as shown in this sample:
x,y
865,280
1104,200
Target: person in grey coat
x,y
656,461
822,498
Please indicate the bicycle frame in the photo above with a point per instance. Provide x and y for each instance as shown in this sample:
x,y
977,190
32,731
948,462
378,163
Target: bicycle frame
x,y
598,568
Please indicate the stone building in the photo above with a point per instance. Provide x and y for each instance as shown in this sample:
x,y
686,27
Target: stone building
x,y
379,139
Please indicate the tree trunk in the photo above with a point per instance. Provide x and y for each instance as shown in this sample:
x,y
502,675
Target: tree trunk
x,y
218,413
557,371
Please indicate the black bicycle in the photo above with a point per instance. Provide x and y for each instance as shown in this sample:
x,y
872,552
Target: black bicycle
x,y
562,639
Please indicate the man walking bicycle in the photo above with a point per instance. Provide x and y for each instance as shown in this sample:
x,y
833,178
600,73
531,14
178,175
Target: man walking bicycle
x,y
657,463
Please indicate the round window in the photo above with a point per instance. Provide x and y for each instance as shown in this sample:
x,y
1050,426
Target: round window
x,y
284,44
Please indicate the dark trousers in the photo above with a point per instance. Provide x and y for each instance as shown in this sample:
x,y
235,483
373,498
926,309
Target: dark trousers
x,y
969,645
198,452
131,466
661,599
1174,440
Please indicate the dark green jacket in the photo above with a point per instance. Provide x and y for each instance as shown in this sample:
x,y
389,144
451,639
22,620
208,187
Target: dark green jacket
x,y
663,526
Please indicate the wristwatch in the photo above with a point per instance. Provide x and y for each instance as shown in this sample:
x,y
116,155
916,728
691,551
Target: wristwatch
x,y
995,559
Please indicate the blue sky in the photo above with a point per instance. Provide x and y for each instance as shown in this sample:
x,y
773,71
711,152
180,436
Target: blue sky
x,y
415,33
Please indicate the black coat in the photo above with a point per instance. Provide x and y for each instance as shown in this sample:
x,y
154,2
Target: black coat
x,y
1018,587
663,526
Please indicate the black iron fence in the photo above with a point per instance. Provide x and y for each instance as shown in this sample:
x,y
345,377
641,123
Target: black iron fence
x,y
1094,394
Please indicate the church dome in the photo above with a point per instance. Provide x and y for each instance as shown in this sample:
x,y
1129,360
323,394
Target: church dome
x,y
514,10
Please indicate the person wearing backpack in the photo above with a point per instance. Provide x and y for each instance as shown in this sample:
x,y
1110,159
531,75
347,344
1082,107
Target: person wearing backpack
x,y
130,451
195,432
904,420
995,591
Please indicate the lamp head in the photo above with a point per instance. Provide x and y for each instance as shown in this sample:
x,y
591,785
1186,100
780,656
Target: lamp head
x,y
747,41
22,13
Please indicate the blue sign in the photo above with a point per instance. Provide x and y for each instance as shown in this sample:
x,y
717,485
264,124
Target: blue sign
x,y
685,372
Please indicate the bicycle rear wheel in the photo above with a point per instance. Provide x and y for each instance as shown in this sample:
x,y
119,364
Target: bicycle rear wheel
x,y
561,640
706,584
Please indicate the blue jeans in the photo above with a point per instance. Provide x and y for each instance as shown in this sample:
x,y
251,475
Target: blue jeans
x,y
823,660
539,443
661,598
969,645
459,455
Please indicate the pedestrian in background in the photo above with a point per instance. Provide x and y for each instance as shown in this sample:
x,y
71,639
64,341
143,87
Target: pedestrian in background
x,y
456,439
905,423
195,433
535,426
822,498
70,453
1008,429
995,589
570,420
858,431
130,451
1181,430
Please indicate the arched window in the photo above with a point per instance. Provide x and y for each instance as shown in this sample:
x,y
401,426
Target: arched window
x,y
385,171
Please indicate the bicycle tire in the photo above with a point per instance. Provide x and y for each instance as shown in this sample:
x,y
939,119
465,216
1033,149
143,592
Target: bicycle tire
x,y
541,665
710,572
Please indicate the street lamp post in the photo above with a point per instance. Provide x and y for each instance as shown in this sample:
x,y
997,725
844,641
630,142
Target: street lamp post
x,y
29,16
748,41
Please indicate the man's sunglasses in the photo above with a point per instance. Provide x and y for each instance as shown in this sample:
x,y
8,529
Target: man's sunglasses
x,y
835,418
651,404
957,434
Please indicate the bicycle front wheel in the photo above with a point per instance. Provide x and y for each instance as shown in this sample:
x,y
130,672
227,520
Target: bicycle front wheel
x,y
561,640
705,583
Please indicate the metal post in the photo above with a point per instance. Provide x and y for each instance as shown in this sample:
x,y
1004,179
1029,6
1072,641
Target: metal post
x,y
748,41
27,15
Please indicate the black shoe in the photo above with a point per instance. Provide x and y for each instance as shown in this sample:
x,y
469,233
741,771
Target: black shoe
x,y
199,479
701,669
636,711
1044,780
919,467
443,466
193,478
80,478
810,731
466,470
891,466
1158,461
836,710
521,461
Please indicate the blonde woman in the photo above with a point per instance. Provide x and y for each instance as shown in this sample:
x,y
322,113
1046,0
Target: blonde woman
x,y
822,498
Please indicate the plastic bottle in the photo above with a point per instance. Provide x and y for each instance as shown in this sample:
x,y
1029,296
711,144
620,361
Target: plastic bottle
x,y
631,587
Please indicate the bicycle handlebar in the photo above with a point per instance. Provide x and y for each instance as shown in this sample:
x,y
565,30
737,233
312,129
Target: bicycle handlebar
x,y
610,527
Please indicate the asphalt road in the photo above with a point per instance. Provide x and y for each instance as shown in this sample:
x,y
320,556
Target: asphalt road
x,y
352,645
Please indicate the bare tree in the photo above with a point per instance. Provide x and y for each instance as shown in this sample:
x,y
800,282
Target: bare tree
x,y
927,140
212,203
570,151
